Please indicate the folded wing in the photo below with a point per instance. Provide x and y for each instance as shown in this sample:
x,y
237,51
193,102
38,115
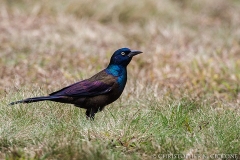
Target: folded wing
x,y
84,88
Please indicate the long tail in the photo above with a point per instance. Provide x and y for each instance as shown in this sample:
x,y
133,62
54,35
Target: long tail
x,y
36,99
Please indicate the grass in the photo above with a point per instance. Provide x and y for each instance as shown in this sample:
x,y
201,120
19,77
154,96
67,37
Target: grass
x,y
182,95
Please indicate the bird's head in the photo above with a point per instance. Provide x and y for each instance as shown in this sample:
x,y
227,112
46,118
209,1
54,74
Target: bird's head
x,y
123,56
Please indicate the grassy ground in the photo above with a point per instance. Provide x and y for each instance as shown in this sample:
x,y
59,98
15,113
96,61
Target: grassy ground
x,y
183,92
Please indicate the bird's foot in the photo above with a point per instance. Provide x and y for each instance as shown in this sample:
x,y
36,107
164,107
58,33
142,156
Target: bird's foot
x,y
90,114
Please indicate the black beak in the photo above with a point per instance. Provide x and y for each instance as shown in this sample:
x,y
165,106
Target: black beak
x,y
134,53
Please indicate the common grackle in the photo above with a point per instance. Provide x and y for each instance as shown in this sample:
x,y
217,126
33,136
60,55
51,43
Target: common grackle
x,y
95,93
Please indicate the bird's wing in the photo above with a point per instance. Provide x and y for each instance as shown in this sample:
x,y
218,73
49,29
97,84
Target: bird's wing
x,y
84,88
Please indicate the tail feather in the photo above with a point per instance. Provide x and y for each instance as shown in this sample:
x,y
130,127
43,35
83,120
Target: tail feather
x,y
36,99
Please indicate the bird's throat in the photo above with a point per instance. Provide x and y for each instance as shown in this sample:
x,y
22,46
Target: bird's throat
x,y
120,72
116,70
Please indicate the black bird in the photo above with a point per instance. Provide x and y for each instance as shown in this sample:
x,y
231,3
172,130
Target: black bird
x,y
95,93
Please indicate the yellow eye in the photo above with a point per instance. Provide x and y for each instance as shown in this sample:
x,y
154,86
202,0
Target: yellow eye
x,y
123,53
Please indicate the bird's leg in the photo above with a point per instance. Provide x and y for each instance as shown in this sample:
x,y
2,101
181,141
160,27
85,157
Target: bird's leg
x,y
90,113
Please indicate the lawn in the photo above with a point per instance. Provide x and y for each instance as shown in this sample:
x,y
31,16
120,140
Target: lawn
x,y
182,98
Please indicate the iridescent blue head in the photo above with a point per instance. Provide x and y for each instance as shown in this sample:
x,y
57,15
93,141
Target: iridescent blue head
x,y
123,56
